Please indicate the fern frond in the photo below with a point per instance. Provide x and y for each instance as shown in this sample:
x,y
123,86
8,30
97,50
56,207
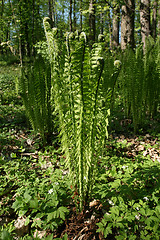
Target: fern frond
x,y
78,96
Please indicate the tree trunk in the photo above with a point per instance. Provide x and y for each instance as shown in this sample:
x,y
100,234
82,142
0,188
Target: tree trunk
x,y
33,27
2,8
159,21
145,20
92,21
51,12
101,23
154,20
127,24
74,15
81,15
70,17
115,27
110,29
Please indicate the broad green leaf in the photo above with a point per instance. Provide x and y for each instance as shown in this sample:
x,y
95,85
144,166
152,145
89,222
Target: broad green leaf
x,y
27,221
33,203
27,197
17,204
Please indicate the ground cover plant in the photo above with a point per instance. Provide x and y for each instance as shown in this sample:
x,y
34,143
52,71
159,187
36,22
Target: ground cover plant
x,y
37,199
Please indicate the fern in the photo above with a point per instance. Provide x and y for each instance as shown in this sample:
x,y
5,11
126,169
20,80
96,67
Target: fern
x,y
132,85
152,75
35,89
77,75
140,82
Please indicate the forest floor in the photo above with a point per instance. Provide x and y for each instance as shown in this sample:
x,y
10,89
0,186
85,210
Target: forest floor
x,y
138,154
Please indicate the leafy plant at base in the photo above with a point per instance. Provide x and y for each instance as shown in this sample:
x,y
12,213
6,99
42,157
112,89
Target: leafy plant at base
x,y
43,202
34,87
79,97
130,195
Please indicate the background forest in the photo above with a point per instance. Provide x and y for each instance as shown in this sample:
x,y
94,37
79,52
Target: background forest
x,y
121,22
79,119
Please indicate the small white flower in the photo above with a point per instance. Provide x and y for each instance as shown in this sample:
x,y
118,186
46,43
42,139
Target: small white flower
x,y
50,191
110,202
107,213
137,217
85,178
137,208
146,198
56,183
124,167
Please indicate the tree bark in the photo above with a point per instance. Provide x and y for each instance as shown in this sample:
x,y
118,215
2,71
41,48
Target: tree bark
x,y
70,16
51,12
159,21
127,24
110,29
74,15
101,23
81,15
92,21
115,27
2,8
145,20
154,20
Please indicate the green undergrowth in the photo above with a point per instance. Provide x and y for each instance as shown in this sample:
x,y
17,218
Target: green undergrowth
x,y
8,60
34,189
130,194
34,184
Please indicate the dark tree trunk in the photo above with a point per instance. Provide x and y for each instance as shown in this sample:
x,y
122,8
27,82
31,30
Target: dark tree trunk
x,y
110,29
127,24
154,20
2,8
74,15
145,20
33,26
92,21
81,15
101,23
51,12
115,27
70,17
159,21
